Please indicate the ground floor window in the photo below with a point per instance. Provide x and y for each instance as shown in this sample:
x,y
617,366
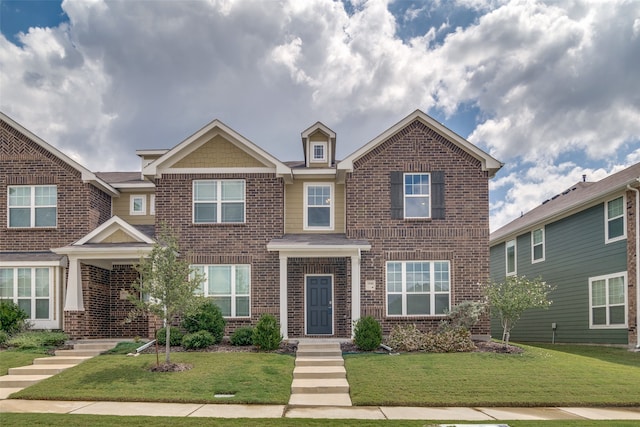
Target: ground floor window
x,y
418,288
30,288
229,286
608,301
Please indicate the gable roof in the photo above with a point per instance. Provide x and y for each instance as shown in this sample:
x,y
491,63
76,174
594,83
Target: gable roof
x,y
489,163
155,168
576,198
114,224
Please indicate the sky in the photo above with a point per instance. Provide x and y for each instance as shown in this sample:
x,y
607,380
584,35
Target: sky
x,y
549,88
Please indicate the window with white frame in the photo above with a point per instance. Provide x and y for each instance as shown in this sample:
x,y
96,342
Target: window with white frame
x,y
138,205
319,152
318,206
417,195
30,288
607,301
615,227
418,288
218,201
32,206
537,245
229,286
510,257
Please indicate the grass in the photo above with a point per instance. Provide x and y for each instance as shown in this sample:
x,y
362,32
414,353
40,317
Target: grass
x,y
251,377
117,421
14,358
540,376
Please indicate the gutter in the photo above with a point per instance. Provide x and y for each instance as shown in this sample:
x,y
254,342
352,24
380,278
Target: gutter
x,y
637,239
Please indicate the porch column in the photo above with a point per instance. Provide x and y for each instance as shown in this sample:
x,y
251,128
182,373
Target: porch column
x,y
355,290
283,297
73,300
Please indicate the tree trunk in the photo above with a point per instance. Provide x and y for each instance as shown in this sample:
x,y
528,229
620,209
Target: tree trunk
x,y
167,358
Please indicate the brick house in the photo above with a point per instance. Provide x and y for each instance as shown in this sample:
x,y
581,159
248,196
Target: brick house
x,y
398,230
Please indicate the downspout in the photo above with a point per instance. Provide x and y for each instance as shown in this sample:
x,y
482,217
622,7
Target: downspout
x,y
637,239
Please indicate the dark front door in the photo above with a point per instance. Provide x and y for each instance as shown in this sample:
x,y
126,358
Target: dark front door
x,y
319,310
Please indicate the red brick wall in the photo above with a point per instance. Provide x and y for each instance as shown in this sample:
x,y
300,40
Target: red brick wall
x,y
122,278
462,237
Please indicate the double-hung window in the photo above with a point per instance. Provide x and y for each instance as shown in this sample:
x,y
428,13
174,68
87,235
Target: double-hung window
x,y
218,201
607,302
138,205
510,257
417,195
229,286
418,288
614,220
318,206
33,206
30,289
537,245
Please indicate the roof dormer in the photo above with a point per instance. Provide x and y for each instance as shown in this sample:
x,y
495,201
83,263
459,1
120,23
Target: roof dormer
x,y
319,145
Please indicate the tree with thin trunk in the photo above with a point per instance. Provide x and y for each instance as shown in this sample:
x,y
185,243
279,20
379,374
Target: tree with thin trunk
x,y
511,298
166,284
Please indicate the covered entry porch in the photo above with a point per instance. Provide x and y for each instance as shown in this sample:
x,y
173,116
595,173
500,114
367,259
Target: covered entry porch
x,y
319,284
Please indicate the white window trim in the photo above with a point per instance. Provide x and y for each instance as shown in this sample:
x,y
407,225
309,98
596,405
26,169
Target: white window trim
x,y
132,200
306,206
507,244
152,204
333,318
205,285
543,243
32,206
626,301
219,202
49,322
432,293
606,220
405,196
312,154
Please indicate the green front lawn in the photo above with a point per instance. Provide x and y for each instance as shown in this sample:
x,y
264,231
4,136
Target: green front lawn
x,y
542,375
16,358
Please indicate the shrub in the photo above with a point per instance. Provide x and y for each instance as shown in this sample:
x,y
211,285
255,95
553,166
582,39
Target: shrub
x,y
12,317
207,317
198,340
450,341
175,337
405,338
37,339
464,315
367,333
242,336
266,334
4,336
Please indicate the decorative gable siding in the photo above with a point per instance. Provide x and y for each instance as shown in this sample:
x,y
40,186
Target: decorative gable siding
x,y
217,153
122,208
294,208
461,236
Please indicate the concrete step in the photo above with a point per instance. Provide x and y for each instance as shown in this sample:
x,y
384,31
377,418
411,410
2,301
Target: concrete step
x,y
319,361
102,346
60,360
9,381
89,353
5,392
318,349
39,369
326,399
315,386
319,372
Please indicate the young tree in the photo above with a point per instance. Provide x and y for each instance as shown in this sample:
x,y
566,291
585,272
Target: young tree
x,y
509,299
167,283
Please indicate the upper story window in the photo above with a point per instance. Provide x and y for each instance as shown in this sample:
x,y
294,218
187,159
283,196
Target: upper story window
x,y
318,206
607,302
138,205
229,286
417,288
615,225
218,201
510,257
537,245
319,152
417,195
33,206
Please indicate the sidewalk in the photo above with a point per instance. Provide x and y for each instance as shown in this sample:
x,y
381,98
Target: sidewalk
x,y
484,414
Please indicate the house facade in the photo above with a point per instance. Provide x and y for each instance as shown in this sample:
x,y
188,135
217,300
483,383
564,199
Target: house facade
x,y
584,242
398,230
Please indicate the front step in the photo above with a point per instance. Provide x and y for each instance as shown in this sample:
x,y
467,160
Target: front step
x,y
87,353
60,360
319,350
39,369
319,372
11,381
320,386
326,399
102,346
320,361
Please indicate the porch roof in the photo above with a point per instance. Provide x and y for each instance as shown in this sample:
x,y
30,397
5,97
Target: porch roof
x,y
33,258
320,245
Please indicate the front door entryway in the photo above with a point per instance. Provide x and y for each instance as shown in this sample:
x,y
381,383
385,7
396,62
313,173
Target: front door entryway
x,y
319,305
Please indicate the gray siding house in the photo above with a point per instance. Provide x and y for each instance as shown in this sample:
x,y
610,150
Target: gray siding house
x,y
584,242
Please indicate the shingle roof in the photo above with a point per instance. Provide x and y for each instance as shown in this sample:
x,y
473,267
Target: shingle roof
x,y
120,177
574,199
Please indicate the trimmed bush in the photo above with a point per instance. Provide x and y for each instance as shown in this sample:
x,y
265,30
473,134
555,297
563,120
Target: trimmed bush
x,y
12,317
367,333
405,338
266,334
175,337
207,317
37,339
464,315
4,336
450,341
242,336
198,340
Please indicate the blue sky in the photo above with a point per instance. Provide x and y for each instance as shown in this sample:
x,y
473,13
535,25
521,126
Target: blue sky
x,y
550,88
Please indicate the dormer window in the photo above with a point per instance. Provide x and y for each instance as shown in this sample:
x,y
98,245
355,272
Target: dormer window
x,y
319,152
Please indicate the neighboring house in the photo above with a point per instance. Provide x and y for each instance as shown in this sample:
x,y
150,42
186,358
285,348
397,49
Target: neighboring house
x,y
398,230
584,242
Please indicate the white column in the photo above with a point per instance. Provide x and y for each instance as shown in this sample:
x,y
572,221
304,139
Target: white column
x,y
73,300
355,290
283,297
